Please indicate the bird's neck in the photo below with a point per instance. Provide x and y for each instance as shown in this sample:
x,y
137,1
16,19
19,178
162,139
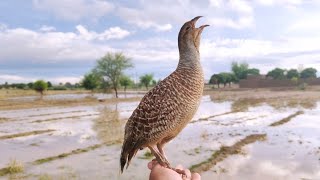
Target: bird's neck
x,y
189,59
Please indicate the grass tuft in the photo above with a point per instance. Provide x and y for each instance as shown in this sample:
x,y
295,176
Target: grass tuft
x,y
11,136
287,119
63,155
13,167
225,151
147,155
44,177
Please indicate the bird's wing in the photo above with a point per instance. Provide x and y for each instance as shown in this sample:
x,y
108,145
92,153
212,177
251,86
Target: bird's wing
x,y
156,113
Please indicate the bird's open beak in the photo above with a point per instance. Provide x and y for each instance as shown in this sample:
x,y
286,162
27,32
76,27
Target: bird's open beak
x,y
194,20
197,31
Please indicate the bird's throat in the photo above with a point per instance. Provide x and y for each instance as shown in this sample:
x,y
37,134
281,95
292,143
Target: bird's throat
x,y
189,59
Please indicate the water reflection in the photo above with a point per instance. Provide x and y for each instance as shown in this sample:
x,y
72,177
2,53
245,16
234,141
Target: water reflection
x,y
277,103
75,96
108,126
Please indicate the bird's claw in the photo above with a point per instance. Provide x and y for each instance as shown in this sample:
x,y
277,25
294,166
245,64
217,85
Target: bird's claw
x,y
180,171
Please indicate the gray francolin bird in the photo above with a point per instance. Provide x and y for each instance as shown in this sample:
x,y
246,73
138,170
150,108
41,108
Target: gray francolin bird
x,y
167,108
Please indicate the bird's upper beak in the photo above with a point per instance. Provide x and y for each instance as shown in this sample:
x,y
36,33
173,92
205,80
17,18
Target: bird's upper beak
x,y
194,20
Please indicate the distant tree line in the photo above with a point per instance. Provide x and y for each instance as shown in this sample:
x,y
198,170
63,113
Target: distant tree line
x,y
242,70
279,73
30,85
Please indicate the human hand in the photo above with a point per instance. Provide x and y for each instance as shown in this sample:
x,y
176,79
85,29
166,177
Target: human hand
x,y
159,172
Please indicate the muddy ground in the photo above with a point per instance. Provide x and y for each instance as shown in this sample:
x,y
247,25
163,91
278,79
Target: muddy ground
x,y
236,134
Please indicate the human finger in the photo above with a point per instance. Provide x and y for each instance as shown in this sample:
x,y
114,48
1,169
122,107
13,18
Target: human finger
x,y
179,167
188,173
195,176
152,164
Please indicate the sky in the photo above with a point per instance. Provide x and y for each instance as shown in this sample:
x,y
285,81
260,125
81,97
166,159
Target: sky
x,y
61,40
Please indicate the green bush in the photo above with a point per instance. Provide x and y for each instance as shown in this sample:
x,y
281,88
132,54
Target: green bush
x,y
40,86
303,86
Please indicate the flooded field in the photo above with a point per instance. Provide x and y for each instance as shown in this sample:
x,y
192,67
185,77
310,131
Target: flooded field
x,y
229,138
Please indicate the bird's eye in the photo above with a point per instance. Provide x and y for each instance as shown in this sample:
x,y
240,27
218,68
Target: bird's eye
x,y
188,28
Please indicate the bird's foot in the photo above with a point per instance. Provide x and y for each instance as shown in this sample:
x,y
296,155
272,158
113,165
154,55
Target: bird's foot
x,y
163,162
166,164
180,171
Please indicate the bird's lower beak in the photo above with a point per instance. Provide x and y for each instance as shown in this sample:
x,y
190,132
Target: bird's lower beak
x,y
200,29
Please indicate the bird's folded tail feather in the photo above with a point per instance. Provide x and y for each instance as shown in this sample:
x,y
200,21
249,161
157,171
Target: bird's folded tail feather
x,y
127,153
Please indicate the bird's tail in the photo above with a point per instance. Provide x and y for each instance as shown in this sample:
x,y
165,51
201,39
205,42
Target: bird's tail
x,y
127,153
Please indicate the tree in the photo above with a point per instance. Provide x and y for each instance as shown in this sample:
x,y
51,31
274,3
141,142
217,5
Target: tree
x,y
226,78
111,66
253,71
125,81
240,70
233,78
154,82
20,85
30,85
292,73
295,80
68,85
223,78
146,80
49,84
77,85
105,85
214,80
276,73
309,73
90,81
40,86
6,85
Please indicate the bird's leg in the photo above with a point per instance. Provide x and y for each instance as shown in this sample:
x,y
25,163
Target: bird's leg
x,y
160,158
160,148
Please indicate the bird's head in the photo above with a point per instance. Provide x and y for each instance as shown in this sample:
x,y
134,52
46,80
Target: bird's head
x,y
189,36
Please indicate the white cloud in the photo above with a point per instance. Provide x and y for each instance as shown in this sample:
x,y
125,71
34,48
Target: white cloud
x,y
3,27
215,3
263,54
242,22
241,6
285,3
75,10
216,11
111,33
305,26
21,43
13,78
25,79
114,33
139,18
46,28
65,79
